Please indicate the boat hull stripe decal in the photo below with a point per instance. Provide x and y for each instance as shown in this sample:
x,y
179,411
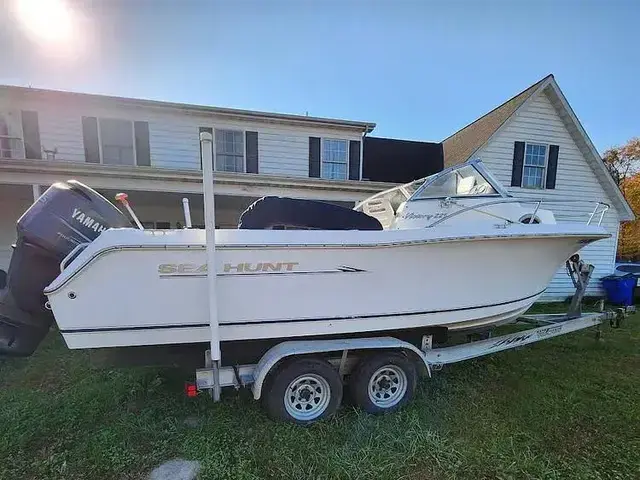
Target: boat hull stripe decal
x,y
293,320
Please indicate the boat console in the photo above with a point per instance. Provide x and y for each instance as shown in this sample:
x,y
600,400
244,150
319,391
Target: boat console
x,y
274,212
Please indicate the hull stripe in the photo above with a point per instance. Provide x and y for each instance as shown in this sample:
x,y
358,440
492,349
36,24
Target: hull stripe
x,y
293,320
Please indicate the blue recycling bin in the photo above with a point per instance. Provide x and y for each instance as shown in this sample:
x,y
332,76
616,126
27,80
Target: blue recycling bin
x,y
619,289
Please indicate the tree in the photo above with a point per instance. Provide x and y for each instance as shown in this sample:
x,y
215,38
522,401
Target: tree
x,y
623,164
629,235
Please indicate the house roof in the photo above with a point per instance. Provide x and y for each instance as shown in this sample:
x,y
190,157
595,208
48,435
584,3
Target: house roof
x,y
461,146
365,127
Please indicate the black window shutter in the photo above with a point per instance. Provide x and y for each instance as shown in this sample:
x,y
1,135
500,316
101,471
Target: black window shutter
x,y
518,163
251,146
354,160
90,138
552,166
143,149
314,157
209,130
31,132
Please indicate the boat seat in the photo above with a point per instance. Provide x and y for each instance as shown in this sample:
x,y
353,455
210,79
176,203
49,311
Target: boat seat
x,y
277,212
381,209
465,185
481,189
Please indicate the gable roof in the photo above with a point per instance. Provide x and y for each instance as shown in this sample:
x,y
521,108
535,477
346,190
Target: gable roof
x,y
461,146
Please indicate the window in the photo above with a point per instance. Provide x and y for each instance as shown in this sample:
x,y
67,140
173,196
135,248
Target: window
x,y
334,159
535,160
5,140
116,138
230,151
113,141
11,145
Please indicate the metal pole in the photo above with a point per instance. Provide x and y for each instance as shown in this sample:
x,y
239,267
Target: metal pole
x,y
206,144
593,213
533,215
605,208
187,212
36,192
122,198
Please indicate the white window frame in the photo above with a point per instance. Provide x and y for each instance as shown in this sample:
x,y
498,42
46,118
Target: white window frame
x,y
244,147
18,130
133,137
322,139
544,168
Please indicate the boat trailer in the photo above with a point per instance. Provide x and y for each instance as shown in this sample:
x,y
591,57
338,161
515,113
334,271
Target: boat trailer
x,y
345,355
302,380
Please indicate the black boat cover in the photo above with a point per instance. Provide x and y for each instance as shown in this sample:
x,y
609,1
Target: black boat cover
x,y
270,212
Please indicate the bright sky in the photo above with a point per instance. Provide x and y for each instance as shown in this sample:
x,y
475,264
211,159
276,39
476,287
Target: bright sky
x,y
419,69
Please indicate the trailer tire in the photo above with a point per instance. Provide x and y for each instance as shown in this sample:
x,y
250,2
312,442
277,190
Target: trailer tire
x,y
303,391
383,382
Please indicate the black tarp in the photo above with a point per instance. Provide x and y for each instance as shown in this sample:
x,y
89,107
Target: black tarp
x,y
275,212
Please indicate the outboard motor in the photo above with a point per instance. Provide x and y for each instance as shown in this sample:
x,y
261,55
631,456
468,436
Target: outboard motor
x,y
66,215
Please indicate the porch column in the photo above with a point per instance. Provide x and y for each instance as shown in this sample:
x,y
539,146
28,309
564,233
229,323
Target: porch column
x,y
36,192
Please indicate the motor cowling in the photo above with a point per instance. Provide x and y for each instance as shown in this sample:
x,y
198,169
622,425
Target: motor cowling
x,y
66,215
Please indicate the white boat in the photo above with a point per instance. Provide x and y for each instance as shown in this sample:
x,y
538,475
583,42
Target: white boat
x,y
447,253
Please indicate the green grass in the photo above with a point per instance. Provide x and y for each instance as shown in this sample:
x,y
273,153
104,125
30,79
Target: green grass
x,y
564,408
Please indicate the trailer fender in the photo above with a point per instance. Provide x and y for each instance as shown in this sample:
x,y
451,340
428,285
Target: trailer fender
x,y
293,348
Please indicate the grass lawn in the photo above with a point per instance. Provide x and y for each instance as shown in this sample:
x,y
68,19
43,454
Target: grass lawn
x,y
564,408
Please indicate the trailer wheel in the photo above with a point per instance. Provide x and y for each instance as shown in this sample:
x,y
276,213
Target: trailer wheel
x,y
303,391
384,382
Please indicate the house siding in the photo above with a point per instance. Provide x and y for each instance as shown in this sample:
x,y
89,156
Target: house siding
x,y
538,121
173,134
61,130
283,153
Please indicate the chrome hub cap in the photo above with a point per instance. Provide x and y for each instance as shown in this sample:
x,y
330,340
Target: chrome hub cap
x,y
307,397
387,386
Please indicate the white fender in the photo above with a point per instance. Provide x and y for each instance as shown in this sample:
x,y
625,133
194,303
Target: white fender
x,y
288,349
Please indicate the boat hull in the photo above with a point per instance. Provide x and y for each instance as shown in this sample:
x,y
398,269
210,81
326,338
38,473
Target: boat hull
x,y
129,290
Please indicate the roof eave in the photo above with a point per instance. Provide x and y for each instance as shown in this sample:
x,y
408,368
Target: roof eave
x,y
364,127
625,212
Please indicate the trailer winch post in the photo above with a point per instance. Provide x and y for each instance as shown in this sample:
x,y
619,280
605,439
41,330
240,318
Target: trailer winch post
x,y
580,274
206,148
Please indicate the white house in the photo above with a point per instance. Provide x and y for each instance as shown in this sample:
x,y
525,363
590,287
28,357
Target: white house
x,y
151,150
535,145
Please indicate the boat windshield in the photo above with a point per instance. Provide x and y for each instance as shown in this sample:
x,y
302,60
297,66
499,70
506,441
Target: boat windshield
x,y
463,181
411,188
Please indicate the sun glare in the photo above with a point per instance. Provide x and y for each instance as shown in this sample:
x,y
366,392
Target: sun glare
x,y
50,22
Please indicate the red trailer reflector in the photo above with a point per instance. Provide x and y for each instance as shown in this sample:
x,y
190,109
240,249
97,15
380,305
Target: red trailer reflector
x,y
191,389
